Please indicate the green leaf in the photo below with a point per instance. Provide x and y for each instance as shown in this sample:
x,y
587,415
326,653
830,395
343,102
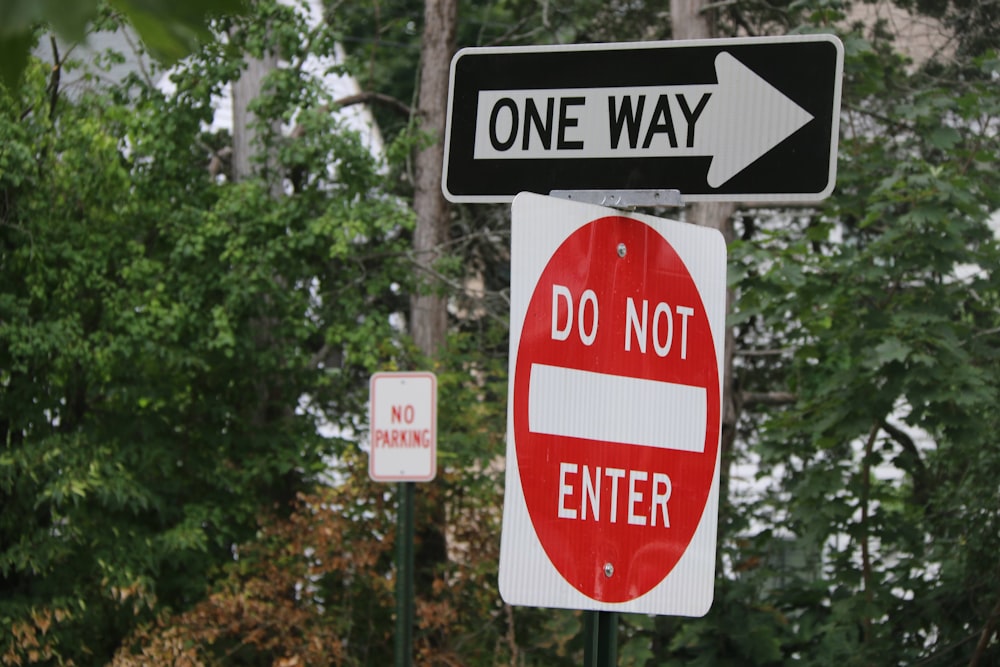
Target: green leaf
x,y
14,51
945,137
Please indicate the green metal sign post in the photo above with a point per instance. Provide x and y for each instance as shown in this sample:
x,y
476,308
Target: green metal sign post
x,y
404,576
403,449
600,639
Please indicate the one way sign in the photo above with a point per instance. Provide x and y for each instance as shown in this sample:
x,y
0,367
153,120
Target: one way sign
x,y
751,119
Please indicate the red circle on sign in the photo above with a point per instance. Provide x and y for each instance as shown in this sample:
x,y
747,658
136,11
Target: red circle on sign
x,y
615,514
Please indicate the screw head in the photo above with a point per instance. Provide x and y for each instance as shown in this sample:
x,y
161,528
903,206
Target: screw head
x,y
621,250
609,570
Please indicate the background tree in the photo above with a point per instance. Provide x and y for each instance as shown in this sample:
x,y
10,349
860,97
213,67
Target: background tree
x,y
145,421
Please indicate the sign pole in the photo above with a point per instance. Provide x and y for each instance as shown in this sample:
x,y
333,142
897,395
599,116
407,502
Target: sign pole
x,y
403,421
404,576
600,639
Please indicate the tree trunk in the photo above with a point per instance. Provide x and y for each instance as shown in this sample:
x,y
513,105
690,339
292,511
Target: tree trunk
x,y
719,215
247,163
428,311
245,90
691,20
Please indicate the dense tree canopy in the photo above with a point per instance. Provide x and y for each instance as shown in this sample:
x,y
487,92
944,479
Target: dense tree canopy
x,y
166,338
171,340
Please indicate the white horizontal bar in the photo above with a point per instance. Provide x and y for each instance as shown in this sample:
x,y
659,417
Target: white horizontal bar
x,y
613,408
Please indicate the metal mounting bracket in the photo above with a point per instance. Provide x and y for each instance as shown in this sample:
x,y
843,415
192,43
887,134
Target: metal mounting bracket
x,y
623,198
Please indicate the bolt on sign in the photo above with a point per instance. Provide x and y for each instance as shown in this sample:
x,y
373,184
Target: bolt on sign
x,y
403,423
614,410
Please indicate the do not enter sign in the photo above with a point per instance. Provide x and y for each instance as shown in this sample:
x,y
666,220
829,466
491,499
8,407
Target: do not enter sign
x,y
614,410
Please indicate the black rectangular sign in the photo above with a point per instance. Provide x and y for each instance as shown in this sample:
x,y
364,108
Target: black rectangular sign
x,y
749,119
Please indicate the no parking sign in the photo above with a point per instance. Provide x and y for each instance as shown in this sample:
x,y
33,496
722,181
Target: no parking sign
x,y
614,412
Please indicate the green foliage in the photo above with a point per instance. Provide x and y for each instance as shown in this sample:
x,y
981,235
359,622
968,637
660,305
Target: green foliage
x,y
334,551
169,345
170,29
884,306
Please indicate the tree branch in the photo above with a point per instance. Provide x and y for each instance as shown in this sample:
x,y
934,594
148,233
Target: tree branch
x,y
984,638
921,486
754,398
866,558
761,353
399,106
54,79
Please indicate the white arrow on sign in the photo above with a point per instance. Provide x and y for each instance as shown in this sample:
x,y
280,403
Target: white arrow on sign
x,y
734,121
